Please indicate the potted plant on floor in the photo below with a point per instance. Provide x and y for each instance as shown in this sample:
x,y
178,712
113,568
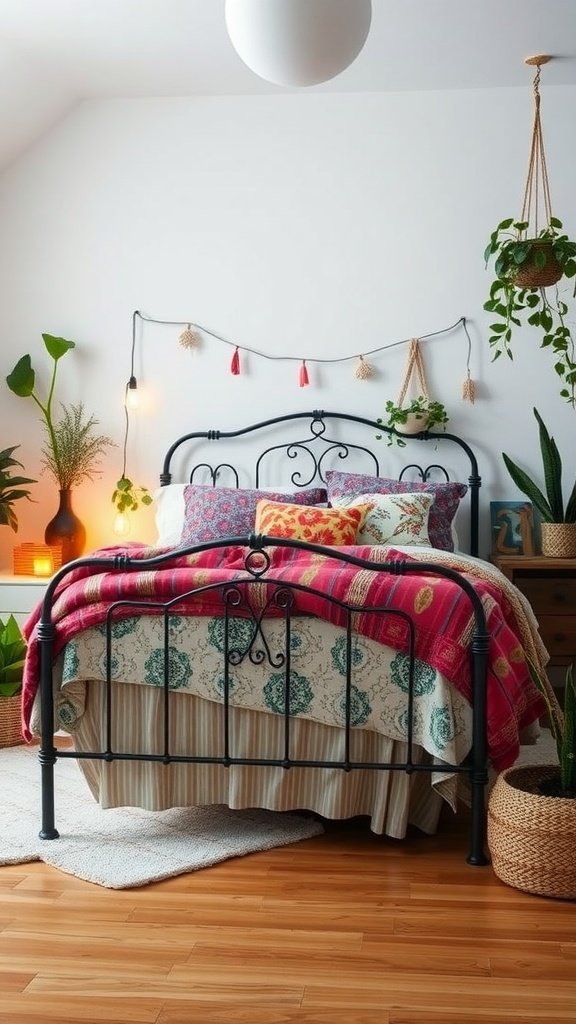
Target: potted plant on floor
x,y
12,655
532,811
558,521
12,488
419,414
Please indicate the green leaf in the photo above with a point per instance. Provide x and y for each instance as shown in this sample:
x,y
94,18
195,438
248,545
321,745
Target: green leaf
x,y
552,465
498,328
525,484
21,380
57,347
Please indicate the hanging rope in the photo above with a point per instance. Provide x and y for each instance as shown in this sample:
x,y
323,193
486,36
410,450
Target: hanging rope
x,y
414,366
537,178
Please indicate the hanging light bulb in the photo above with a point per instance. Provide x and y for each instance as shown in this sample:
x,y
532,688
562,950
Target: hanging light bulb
x,y
132,396
298,42
121,525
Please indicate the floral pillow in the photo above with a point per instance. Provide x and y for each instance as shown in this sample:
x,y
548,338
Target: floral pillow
x,y
211,513
392,518
329,526
447,497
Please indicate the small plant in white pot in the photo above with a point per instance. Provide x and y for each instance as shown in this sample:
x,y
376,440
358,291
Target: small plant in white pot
x,y
558,520
418,415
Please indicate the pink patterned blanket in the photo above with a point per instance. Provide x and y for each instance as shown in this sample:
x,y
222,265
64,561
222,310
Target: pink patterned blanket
x,y
440,609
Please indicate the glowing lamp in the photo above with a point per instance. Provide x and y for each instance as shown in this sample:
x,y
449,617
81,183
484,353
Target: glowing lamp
x,y
132,397
121,524
36,559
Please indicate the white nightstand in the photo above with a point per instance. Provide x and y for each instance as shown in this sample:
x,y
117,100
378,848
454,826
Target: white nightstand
x,y
19,595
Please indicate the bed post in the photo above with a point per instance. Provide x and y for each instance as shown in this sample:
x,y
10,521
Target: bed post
x,y
478,771
47,753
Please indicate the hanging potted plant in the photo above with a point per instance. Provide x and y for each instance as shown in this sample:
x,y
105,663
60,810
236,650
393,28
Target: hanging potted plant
x,y
528,260
417,414
558,520
532,810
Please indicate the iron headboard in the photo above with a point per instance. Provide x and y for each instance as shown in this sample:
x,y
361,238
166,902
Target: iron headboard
x,y
315,450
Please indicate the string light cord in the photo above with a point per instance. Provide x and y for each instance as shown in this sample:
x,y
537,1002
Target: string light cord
x,y
293,359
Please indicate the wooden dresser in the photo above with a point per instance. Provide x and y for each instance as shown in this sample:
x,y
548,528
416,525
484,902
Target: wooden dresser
x,y
550,586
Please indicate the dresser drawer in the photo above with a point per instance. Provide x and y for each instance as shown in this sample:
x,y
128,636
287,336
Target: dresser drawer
x,y
549,596
558,634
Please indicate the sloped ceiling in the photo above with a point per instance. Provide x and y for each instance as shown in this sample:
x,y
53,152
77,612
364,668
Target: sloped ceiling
x,y
55,53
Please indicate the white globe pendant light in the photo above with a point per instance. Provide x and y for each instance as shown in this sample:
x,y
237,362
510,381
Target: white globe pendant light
x,y
298,42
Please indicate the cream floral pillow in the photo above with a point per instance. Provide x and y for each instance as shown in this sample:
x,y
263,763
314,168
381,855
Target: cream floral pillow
x,y
391,518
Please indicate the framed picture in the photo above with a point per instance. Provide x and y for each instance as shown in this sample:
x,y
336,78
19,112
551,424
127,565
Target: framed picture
x,y
512,528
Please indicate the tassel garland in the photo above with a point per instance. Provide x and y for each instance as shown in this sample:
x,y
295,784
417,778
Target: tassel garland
x,y
304,379
235,364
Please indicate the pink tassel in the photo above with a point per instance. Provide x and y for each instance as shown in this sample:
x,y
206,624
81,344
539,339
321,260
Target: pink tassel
x,y
235,364
304,380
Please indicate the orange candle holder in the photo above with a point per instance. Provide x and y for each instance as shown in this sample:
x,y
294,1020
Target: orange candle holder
x,y
36,559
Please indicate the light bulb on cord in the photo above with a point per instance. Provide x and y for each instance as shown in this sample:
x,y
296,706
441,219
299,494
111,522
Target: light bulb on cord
x,y
298,42
132,396
121,525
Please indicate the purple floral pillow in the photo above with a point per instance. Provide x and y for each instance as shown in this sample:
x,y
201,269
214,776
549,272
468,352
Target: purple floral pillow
x,y
211,513
447,497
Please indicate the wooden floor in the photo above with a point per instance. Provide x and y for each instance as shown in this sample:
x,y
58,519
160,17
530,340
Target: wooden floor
x,y
346,927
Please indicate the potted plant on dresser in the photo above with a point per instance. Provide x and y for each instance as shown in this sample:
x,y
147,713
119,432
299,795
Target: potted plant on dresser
x,y
73,450
558,520
12,655
532,811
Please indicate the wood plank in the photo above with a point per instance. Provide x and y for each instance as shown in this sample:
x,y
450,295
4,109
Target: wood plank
x,y
346,928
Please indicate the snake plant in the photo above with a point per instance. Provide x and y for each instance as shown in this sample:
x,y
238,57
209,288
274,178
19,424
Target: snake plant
x,y
551,504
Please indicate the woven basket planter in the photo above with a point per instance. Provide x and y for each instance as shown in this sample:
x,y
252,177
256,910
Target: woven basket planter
x,y
10,715
559,540
532,838
530,275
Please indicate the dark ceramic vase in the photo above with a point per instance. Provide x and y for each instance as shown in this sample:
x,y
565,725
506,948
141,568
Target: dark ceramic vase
x,y
66,530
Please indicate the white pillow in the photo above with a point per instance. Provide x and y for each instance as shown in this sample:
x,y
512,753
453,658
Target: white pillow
x,y
392,518
169,514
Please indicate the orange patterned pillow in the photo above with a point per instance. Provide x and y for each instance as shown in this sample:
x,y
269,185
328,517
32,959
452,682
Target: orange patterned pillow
x,y
329,526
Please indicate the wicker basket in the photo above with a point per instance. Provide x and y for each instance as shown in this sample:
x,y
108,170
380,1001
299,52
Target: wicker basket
x,y
559,540
530,275
10,714
532,838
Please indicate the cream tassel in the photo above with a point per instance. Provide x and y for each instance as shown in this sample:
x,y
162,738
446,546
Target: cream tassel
x,y
189,338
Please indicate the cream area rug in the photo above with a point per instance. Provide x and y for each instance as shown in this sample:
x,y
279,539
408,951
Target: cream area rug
x,y
125,847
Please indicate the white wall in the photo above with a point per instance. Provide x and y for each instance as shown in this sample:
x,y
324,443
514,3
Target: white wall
x,y
317,225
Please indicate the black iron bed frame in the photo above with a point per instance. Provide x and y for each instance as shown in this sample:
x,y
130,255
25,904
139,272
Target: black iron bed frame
x,y
315,450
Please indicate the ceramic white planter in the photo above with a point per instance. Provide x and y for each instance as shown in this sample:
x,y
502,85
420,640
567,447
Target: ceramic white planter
x,y
415,423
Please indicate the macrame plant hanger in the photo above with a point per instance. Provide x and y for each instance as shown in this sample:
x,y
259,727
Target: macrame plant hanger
x,y
414,368
546,270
